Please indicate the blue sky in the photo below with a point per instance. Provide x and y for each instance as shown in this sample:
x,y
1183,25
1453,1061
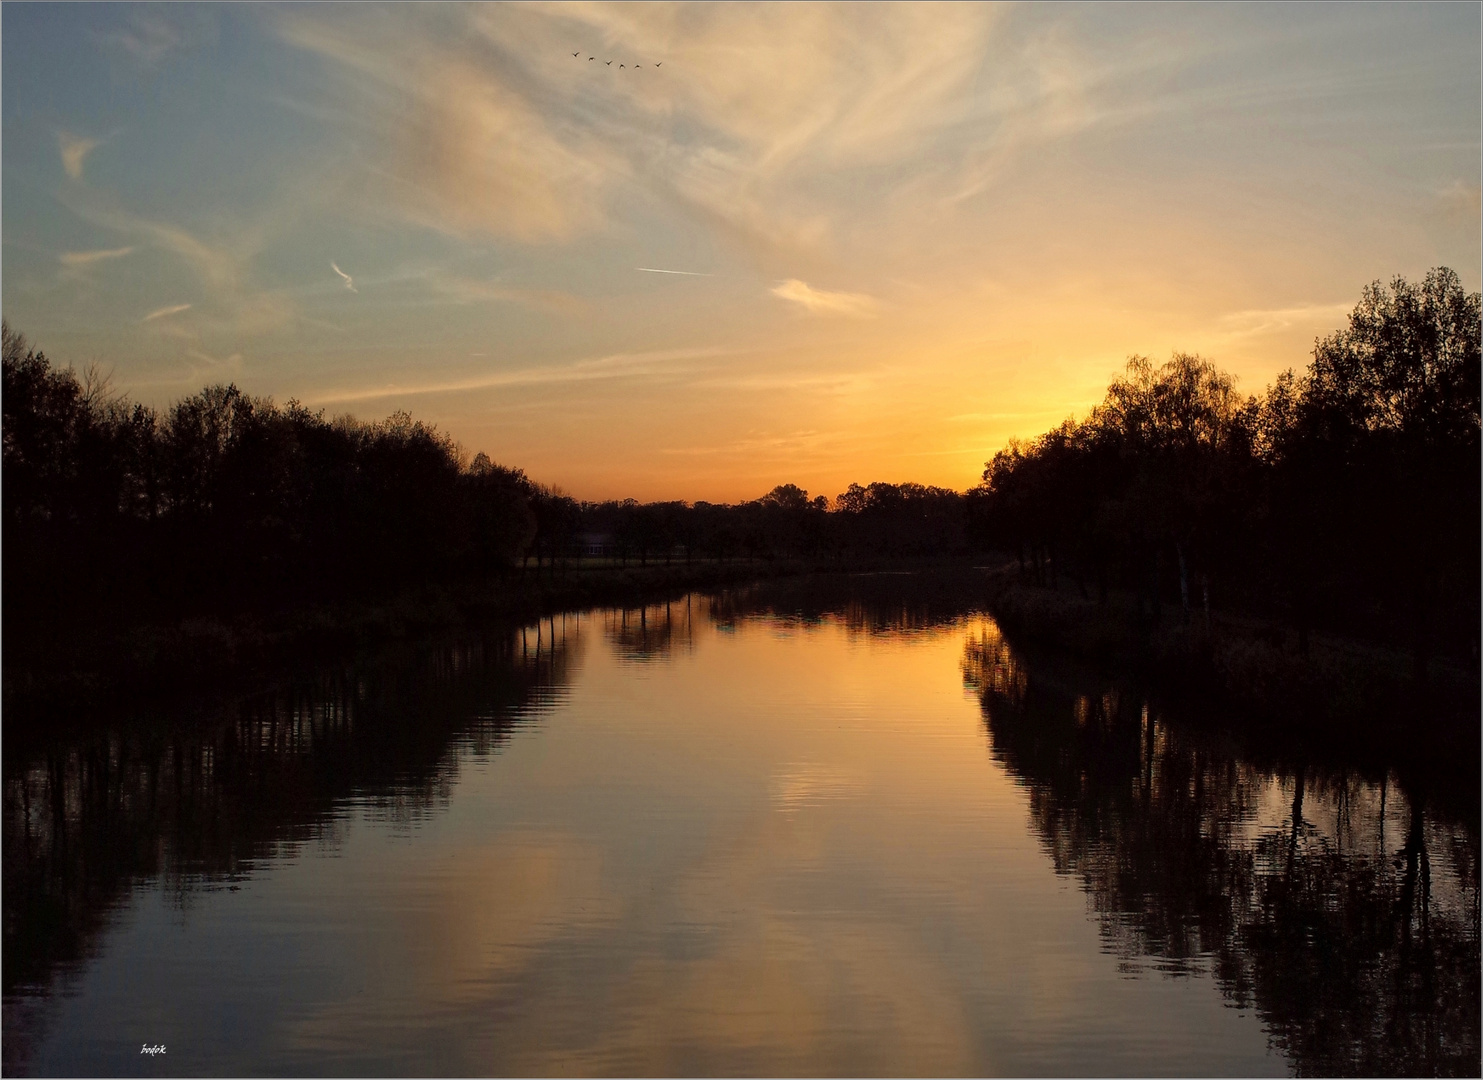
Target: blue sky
x,y
910,232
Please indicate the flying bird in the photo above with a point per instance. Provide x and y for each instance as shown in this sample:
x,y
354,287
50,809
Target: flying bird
x,y
608,62
660,64
349,282
592,58
620,67
577,53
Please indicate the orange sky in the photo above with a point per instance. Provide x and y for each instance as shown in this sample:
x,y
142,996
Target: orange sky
x,y
908,232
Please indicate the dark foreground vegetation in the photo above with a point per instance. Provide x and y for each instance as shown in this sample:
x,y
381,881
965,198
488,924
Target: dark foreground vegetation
x,y
1344,499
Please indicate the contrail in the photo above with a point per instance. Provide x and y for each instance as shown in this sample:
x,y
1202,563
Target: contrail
x,y
349,283
653,270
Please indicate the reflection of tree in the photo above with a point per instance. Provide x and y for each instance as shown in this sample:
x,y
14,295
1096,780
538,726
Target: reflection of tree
x,y
203,802
1361,957
653,631
883,603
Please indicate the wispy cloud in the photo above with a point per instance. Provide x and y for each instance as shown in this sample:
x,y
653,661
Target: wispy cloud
x,y
198,367
160,313
207,368
464,147
74,149
349,281
148,40
791,446
974,417
219,265
822,302
656,270
837,383
1461,199
615,366
151,36
76,259
1240,324
471,290
486,130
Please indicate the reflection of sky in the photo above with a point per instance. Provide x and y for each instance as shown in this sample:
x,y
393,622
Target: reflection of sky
x,y
923,230
779,854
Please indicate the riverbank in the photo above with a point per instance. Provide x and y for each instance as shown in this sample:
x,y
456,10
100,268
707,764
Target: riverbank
x,y
1255,666
1249,683
53,672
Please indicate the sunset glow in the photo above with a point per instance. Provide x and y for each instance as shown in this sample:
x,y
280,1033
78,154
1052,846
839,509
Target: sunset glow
x,y
889,238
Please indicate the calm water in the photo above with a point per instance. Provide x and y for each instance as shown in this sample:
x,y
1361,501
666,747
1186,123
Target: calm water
x,y
825,827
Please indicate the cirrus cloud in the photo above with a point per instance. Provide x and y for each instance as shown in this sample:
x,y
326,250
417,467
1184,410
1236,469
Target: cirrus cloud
x,y
164,312
74,149
823,302
76,259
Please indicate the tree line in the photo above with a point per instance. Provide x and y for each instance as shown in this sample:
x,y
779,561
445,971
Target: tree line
x,y
225,501
880,520
1344,496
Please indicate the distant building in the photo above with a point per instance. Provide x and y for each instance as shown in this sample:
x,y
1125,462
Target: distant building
x,y
595,543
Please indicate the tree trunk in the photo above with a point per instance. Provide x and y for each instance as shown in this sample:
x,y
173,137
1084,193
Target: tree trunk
x,y
1158,572
1297,821
1420,636
1183,584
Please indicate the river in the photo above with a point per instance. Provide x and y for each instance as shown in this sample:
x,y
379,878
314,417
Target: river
x,y
832,826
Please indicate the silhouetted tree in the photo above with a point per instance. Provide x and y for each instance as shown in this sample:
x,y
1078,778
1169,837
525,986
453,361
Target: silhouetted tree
x,y
1348,495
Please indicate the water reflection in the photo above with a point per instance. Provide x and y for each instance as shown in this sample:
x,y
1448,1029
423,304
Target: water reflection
x,y
198,803
757,832
1333,903
885,604
654,631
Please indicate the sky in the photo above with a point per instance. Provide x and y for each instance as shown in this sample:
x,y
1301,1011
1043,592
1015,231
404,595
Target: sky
x,y
765,244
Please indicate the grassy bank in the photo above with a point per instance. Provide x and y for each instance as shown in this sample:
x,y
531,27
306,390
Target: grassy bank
x,y
53,670
1250,664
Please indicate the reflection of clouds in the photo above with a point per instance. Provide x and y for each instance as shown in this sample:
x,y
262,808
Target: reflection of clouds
x,y
447,939
793,965
777,856
803,784
771,1000
540,928
778,946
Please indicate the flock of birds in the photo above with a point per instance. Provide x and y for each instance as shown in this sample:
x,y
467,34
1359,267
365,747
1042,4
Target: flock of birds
x,y
609,63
